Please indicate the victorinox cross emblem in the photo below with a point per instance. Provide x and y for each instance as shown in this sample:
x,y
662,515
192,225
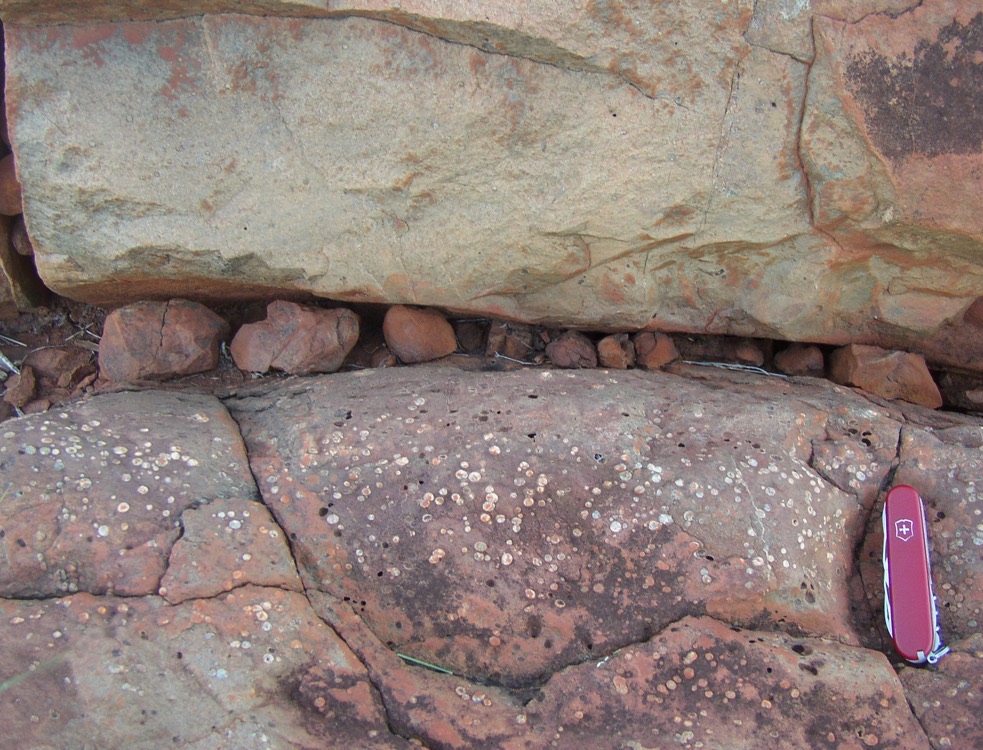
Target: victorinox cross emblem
x,y
904,529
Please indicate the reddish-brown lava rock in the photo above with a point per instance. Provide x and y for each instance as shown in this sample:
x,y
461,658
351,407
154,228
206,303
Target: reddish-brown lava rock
x,y
93,493
472,335
10,191
20,287
382,357
654,350
370,350
8,304
616,352
889,374
296,339
160,340
801,359
736,350
513,340
55,373
506,525
61,367
252,668
418,335
19,237
948,699
701,683
20,388
224,545
4,130
572,350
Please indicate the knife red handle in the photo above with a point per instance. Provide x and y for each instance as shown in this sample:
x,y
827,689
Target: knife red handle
x,y
909,602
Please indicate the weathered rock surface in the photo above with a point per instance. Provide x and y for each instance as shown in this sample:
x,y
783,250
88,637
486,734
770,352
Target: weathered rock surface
x,y
887,374
495,156
504,541
93,495
948,700
224,545
296,339
150,339
253,668
755,690
906,177
680,622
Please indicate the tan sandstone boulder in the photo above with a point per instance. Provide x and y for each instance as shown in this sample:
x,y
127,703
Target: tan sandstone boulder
x,y
735,174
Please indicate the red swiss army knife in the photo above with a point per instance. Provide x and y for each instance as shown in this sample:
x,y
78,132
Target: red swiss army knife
x,y
909,603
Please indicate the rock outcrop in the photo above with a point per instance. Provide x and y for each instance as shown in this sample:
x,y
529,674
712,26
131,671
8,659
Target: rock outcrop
x,y
738,168
529,559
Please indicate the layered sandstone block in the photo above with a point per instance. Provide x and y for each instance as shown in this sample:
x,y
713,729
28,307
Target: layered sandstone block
x,y
735,168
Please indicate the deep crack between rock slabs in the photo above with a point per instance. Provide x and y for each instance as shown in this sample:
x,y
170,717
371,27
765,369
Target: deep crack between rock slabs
x,y
305,591
375,680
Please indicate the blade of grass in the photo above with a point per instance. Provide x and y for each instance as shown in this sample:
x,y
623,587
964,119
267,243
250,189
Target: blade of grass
x,y
421,663
8,365
17,679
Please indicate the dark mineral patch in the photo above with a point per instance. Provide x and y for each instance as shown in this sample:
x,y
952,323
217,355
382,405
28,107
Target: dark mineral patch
x,y
931,103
